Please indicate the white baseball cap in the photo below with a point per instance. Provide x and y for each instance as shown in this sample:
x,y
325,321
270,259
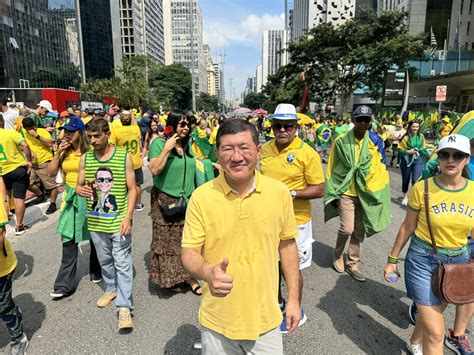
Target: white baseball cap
x,y
455,141
285,112
46,104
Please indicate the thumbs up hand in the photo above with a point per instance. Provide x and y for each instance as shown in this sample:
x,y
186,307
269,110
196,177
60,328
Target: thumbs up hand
x,y
219,281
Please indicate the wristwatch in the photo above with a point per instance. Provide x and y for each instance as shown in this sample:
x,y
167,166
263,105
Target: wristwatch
x,y
293,194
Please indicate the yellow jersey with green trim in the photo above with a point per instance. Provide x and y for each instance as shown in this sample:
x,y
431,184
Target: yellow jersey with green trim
x,y
297,166
107,207
451,213
11,156
128,138
7,262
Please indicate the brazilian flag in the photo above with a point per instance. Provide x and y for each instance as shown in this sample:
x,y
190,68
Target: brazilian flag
x,y
206,148
323,132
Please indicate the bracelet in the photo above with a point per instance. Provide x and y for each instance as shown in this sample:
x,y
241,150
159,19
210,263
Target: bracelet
x,y
392,260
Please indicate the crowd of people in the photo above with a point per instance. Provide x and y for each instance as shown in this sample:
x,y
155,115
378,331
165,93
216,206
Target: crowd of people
x,y
237,256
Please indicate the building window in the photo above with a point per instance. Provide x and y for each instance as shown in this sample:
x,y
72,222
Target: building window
x,y
468,28
470,7
462,6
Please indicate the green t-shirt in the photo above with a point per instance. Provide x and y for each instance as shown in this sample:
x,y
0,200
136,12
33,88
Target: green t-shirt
x,y
170,180
39,123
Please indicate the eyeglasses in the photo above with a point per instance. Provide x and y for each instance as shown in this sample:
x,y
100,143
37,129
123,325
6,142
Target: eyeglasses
x,y
363,119
108,180
457,156
183,124
285,126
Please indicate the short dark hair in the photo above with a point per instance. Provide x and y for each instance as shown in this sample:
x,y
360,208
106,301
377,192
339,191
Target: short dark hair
x,y
28,122
104,168
234,126
98,125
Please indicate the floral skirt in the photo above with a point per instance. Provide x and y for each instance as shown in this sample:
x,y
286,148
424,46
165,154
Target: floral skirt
x,y
165,265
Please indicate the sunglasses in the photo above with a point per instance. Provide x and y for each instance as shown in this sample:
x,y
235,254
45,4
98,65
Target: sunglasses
x,y
285,126
183,124
108,180
364,119
457,156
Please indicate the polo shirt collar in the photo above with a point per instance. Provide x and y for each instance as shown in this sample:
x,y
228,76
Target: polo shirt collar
x,y
296,144
256,184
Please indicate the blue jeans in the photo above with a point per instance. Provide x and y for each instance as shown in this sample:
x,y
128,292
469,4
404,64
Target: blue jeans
x,y
414,170
115,257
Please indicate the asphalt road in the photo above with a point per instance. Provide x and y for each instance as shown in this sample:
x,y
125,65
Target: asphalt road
x,y
344,316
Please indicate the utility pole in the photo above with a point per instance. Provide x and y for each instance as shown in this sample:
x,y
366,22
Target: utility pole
x,y
191,23
222,63
230,92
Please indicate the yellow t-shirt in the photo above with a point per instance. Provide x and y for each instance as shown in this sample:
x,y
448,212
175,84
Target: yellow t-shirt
x,y
448,127
351,191
297,166
201,132
70,168
86,119
451,213
8,263
42,153
213,136
249,238
128,138
11,156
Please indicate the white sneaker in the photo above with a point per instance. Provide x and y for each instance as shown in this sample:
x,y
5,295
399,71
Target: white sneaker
x,y
405,201
415,349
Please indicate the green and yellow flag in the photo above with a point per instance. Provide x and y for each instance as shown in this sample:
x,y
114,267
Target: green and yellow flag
x,y
371,179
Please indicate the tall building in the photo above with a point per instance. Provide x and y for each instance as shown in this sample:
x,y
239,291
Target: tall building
x,y
259,78
184,25
211,72
141,27
220,83
426,14
307,14
273,55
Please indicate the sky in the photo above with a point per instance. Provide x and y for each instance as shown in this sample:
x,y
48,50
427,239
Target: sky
x,y
236,26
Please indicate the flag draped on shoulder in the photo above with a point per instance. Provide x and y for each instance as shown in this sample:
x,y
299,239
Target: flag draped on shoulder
x,y
371,179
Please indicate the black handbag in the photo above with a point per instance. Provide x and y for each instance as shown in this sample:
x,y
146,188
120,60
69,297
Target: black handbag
x,y
176,209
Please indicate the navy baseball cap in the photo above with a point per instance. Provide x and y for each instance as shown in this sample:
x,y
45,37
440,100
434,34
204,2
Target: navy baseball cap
x,y
362,111
74,124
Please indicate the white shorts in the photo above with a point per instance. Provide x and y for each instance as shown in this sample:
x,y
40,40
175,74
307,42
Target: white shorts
x,y
304,243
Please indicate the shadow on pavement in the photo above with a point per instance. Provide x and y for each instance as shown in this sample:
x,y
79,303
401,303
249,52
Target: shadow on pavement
x,y
34,313
183,341
322,254
343,305
25,265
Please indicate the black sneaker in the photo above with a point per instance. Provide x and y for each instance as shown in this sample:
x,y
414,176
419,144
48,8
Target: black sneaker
x,y
52,208
40,199
459,345
413,313
21,229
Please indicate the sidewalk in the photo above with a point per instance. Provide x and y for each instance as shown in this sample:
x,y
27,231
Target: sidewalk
x,y
34,212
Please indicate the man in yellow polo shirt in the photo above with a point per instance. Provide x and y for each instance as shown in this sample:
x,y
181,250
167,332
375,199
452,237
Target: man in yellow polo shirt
x,y
289,160
9,312
40,141
128,136
15,171
238,259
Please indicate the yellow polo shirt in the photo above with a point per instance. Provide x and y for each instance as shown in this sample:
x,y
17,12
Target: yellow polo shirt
x,y
7,263
297,166
42,152
11,156
128,138
351,191
249,238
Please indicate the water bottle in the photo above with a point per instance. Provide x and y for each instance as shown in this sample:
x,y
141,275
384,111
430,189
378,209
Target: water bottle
x,y
392,277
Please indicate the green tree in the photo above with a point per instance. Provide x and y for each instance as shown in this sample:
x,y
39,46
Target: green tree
x,y
254,100
338,60
206,102
171,86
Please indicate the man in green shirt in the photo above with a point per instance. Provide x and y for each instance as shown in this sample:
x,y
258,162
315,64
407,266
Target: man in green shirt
x,y
340,128
38,115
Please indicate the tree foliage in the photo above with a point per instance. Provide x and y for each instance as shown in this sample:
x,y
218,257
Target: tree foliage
x,y
171,86
254,100
206,102
338,60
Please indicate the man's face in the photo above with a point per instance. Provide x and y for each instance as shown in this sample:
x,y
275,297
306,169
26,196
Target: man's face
x,y
361,125
126,119
104,181
99,140
238,155
43,111
84,114
284,130
77,113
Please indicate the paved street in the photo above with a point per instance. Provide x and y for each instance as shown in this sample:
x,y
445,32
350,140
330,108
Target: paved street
x,y
345,316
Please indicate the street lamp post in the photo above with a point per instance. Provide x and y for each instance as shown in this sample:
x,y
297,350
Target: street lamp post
x,y
191,22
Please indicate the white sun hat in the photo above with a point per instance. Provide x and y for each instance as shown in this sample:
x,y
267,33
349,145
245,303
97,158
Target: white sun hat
x,y
46,104
455,141
285,112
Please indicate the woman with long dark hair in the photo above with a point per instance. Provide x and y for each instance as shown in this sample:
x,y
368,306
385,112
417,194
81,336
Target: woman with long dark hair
x,y
173,167
413,154
155,130
72,220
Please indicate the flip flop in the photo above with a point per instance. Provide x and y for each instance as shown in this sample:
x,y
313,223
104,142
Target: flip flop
x,y
196,290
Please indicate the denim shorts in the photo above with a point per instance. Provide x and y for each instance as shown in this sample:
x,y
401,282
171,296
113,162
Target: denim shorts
x,y
420,264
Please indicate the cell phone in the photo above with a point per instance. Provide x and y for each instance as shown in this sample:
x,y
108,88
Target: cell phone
x,y
168,132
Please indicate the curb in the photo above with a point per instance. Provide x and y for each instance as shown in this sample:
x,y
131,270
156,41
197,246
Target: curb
x,y
33,214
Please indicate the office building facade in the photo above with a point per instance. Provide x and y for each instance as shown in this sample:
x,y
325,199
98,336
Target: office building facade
x,y
274,55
